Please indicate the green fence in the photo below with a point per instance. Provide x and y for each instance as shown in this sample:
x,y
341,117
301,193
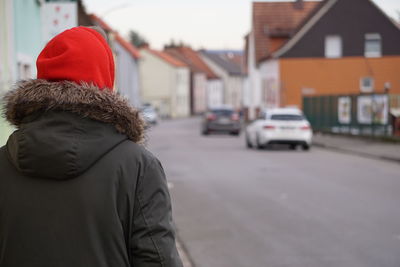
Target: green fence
x,y
352,114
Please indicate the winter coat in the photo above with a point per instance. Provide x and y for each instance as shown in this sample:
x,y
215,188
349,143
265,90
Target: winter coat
x,y
76,190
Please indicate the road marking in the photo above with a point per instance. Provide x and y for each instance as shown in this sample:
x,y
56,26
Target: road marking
x,y
283,196
186,261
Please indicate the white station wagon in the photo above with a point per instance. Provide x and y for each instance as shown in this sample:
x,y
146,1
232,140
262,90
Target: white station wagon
x,y
279,126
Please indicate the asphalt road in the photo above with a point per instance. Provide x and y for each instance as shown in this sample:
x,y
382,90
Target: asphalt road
x,y
236,207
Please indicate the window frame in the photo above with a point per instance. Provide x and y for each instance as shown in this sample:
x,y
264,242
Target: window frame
x,y
367,89
372,37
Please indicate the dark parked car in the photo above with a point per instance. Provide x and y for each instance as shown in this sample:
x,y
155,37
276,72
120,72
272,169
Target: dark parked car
x,y
224,120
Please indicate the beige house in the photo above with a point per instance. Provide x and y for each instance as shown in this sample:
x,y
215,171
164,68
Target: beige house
x,y
165,83
206,87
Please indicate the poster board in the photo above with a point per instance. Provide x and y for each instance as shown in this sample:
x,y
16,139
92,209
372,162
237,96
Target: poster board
x,y
344,110
373,109
380,109
364,109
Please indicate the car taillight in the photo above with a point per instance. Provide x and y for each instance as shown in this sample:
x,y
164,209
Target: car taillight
x,y
211,117
305,128
269,127
235,117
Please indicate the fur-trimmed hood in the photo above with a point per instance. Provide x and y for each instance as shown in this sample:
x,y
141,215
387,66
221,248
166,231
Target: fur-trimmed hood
x,y
64,128
86,100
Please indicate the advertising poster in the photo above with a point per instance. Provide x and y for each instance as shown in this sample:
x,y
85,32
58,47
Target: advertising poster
x,y
364,109
58,17
373,109
344,110
380,109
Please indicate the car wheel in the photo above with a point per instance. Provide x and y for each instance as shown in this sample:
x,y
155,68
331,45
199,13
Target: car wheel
x,y
292,147
259,145
205,132
305,147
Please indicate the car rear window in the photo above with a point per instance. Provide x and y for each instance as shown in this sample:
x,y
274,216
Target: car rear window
x,y
286,117
222,112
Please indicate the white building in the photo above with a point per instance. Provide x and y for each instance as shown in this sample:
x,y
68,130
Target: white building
x,y
215,92
206,87
165,83
228,66
127,70
127,59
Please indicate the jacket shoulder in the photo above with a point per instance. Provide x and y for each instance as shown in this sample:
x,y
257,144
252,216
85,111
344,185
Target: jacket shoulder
x,y
135,152
3,156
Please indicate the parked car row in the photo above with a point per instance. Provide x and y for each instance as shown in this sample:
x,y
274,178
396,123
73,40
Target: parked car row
x,y
286,126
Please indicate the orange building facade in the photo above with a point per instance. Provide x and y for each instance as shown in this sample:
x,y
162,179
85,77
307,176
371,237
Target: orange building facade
x,y
300,77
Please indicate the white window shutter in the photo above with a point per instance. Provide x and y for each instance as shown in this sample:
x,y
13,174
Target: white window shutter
x,y
333,46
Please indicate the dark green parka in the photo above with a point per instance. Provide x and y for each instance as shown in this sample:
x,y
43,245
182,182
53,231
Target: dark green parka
x,y
76,188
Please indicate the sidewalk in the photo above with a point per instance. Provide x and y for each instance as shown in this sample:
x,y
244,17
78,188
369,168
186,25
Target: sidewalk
x,y
183,254
361,147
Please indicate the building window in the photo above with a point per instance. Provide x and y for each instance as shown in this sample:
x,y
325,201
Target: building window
x,y
333,46
366,85
24,67
373,45
24,71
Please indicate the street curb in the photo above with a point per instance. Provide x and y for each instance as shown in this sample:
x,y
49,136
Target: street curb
x,y
184,254
357,153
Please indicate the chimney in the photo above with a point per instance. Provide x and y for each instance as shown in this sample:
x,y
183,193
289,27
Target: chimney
x,y
299,4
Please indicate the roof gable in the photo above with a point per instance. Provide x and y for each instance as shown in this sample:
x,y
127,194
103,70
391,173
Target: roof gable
x,y
277,19
351,20
192,59
230,61
176,54
166,58
130,48
101,23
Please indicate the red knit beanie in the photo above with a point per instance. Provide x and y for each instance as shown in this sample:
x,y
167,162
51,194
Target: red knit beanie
x,y
80,55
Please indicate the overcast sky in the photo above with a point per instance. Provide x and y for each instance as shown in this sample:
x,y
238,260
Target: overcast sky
x,y
211,24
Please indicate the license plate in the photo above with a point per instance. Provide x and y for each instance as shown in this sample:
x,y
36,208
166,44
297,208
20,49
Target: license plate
x,y
287,128
224,121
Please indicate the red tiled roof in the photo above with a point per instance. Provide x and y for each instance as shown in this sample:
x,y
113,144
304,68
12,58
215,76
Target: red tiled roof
x,y
101,23
128,46
167,58
176,54
125,44
277,19
192,59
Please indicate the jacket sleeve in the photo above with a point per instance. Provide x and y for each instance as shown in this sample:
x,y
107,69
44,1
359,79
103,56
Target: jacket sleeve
x,y
153,235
